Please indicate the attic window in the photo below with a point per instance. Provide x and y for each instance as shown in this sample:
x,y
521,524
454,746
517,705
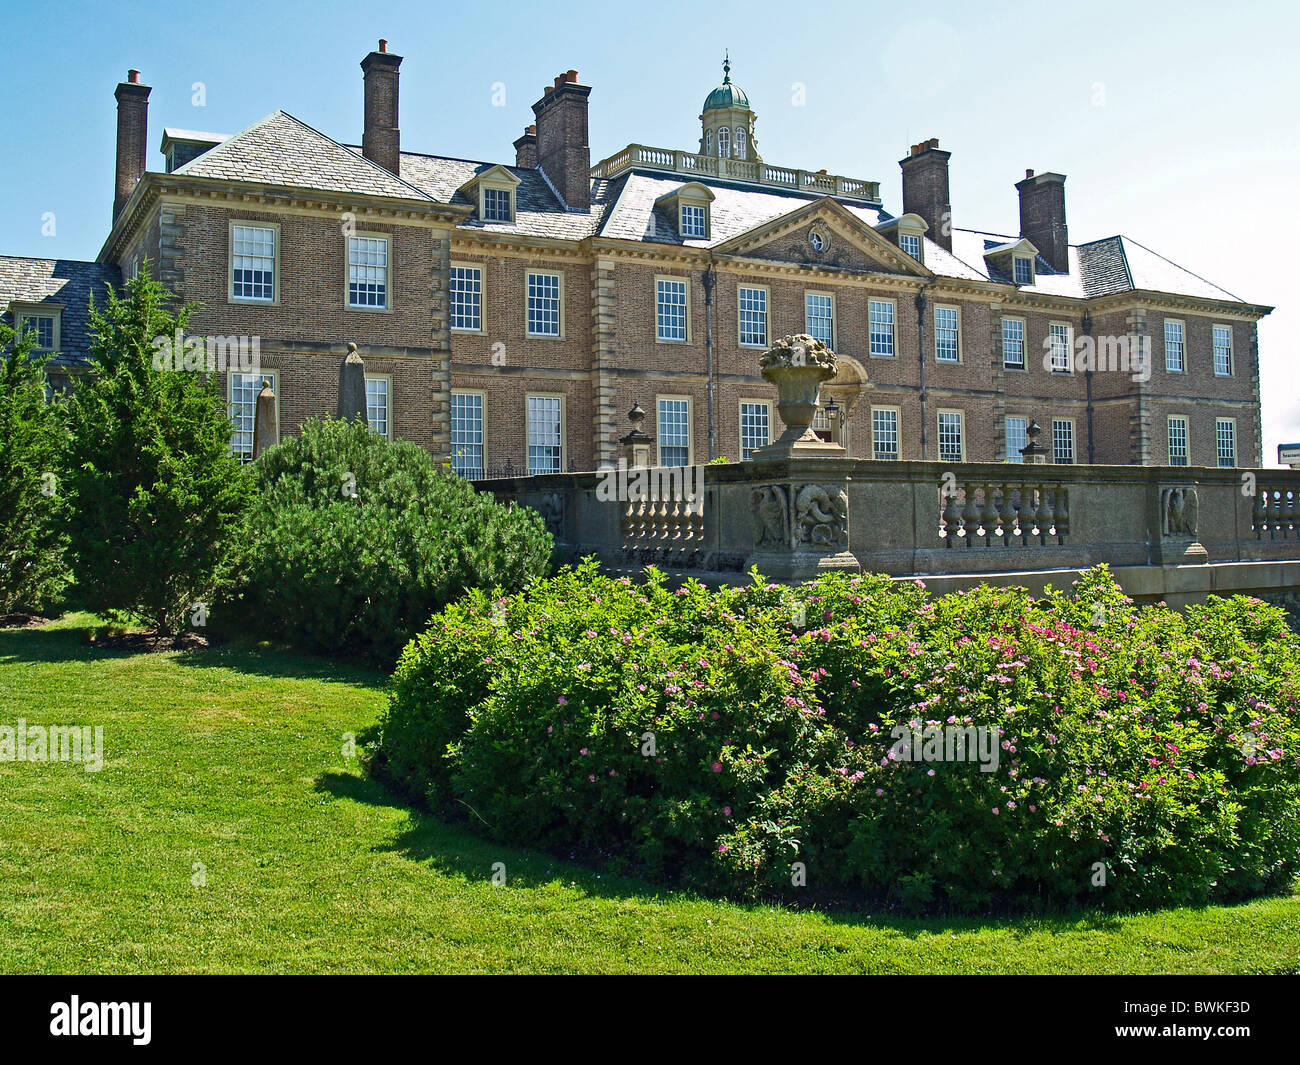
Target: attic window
x,y
1024,270
695,220
911,244
42,322
497,205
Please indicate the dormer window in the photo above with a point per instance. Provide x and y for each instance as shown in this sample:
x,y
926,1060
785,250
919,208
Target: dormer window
x,y
1012,259
910,243
493,190
1024,270
689,205
41,321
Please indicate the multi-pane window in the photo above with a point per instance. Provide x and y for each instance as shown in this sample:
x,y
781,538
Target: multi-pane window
x,y
1024,270
674,432
753,316
377,405
1016,438
1013,343
467,434
952,444
466,304
755,428
911,244
42,325
1223,350
252,263
368,272
884,433
947,334
670,309
1062,441
545,435
724,143
496,205
881,315
819,317
1177,440
695,222
740,142
1175,347
244,388
1059,344
543,305
1225,440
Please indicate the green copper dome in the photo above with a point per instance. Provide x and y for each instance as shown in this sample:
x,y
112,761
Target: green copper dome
x,y
727,95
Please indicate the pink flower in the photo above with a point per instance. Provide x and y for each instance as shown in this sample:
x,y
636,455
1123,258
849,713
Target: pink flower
x,y
717,767
583,752
721,847
880,792
562,701
995,811
726,811
592,777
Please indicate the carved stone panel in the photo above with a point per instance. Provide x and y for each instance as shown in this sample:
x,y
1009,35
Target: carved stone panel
x,y
822,517
771,516
1178,513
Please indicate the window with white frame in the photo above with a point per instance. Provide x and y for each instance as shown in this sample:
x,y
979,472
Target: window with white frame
x,y
1222,338
545,434
252,263
42,328
694,220
1177,440
740,142
952,436
244,390
1016,436
753,316
755,427
884,433
543,305
465,287
496,205
881,316
1058,336
670,309
1175,347
708,142
467,434
947,334
1225,440
1013,343
377,405
1024,268
368,272
674,432
724,143
819,316
1063,441
911,244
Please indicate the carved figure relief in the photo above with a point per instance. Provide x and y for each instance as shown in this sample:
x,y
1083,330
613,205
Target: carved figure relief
x,y
770,516
1178,513
822,516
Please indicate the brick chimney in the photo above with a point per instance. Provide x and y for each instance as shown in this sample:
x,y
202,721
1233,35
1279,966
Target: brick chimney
x,y
925,189
562,150
526,148
381,140
1042,217
132,135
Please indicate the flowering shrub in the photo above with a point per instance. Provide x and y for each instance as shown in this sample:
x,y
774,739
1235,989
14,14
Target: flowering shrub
x,y
747,740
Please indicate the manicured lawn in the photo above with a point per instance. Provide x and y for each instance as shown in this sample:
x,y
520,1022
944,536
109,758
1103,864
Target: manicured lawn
x,y
233,758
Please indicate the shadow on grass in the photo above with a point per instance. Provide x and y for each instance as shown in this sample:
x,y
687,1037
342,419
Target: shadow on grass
x,y
68,640
457,850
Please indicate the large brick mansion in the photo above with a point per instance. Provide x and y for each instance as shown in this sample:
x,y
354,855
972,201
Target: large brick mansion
x,y
509,314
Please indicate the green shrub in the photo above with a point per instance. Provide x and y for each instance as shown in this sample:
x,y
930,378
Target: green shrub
x,y
353,541
1143,757
32,567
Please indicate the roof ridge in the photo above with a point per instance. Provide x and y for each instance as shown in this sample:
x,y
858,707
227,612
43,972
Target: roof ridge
x,y
420,193
1184,269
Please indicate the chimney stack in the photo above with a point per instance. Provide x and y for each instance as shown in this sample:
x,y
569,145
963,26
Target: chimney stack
x,y
562,150
1042,217
925,189
526,148
381,140
132,134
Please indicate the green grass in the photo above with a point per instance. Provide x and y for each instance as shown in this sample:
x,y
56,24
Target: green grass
x,y
233,758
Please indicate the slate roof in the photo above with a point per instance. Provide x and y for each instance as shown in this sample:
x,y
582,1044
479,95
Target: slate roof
x,y
65,281
282,150
1116,264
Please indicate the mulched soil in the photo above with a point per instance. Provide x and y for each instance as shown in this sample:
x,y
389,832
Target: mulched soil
x,y
23,621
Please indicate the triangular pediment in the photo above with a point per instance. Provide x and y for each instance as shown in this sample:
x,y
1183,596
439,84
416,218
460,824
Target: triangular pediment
x,y
823,233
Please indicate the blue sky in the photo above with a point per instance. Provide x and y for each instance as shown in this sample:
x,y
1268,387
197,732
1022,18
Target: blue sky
x,y
1175,122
